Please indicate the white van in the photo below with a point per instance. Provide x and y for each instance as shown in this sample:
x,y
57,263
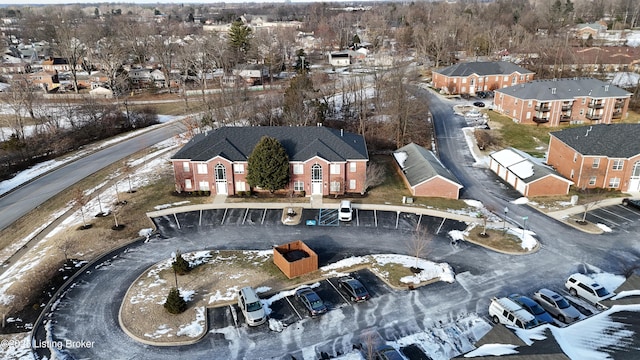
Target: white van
x,y
251,307
587,288
507,312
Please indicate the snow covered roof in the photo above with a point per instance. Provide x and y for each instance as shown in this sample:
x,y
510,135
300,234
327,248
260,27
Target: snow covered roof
x,y
522,165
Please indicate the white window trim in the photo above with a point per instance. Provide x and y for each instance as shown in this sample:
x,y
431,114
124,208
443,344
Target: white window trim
x,y
353,167
334,169
298,169
238,168
201,168
185,166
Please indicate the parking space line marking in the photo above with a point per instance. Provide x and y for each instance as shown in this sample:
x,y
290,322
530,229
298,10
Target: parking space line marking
x,y
200,219
397,218
224,216
338,291
375,217
419,219
294,309
245,216
612,213
629,209
440,227
605,219
177,222
264,214
357,218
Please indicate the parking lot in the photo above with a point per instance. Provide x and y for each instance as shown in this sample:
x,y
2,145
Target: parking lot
x,y
172,224
616,217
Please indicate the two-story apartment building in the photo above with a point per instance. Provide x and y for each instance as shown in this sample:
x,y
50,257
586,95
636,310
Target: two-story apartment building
x,y
323,161
598,156
563,101
471,77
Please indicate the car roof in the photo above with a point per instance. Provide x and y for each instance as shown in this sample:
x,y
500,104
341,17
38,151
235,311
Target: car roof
x,y
549,293
523,299
345,203
586,280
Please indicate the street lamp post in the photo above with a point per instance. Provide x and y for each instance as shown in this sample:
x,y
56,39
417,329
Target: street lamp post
x,y
504,220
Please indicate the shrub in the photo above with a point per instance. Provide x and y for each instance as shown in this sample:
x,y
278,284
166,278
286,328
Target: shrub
x,y
302,193
175,304
180,265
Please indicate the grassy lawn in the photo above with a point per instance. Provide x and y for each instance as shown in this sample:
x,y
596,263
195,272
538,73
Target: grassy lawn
x,y
531,139
496,239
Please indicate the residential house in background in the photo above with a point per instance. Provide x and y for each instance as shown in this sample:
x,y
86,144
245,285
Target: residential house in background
x,y
563,101
323,161
470,77
48,81
598,156
527,175
252,74
424,174
594,30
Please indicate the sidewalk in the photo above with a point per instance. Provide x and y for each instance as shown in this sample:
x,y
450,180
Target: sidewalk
x,y
565,215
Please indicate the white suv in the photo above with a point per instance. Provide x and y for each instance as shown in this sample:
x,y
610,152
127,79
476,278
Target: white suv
x,y
585,287
507,312
345,212
251,307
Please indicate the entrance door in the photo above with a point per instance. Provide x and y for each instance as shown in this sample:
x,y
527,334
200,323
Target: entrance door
x,y
221,179
634,181
316,180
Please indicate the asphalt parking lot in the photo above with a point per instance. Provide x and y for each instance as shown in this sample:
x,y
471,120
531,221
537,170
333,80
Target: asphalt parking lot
x,y
616,217
201,220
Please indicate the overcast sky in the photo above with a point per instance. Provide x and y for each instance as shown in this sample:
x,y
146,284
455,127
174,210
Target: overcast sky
x,y
49,2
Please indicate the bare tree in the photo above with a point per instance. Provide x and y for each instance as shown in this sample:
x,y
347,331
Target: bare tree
x,y
81,201
69,31
376,174
418,245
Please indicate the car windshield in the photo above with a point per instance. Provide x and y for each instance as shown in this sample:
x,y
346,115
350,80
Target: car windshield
x,y
562,303
317,304
602,292
530,324
254,306
344,209
536,309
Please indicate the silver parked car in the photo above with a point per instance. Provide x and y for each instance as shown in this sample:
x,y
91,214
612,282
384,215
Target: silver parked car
x,y
556,305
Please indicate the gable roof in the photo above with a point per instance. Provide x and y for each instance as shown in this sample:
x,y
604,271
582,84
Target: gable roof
x,y
523,166
419,165
483,68
301,143
565,89
611,140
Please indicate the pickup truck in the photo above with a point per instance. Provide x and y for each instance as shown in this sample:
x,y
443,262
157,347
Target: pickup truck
x,y
631,203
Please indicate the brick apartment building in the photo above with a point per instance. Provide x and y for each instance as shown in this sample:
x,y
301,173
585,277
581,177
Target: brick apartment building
x,y
471,77
598,156
563,101
323,161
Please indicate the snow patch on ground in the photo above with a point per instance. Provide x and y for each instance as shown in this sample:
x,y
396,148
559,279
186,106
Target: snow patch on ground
x,y
520,201
604,227
493,350
430,270
196,328
624,294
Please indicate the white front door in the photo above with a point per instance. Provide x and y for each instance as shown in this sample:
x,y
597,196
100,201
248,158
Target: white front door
x,y
221,179
316,180
634,180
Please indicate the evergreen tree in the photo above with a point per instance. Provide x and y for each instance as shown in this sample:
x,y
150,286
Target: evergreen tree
x,y
240,36
302,62
268,165
175,304
180,265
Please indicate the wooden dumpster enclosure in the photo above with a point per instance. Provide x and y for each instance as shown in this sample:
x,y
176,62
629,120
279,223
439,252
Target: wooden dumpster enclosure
x,y
295,259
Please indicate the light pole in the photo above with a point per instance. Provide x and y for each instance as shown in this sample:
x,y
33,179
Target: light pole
x,y
504,223
524,225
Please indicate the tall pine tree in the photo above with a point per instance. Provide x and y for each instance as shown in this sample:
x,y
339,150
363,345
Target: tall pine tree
x,y
268,165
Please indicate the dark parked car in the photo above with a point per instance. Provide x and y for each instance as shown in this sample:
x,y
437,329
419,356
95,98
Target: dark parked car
x,y
311,301
354,289
631,203
387,353
478,104
533,308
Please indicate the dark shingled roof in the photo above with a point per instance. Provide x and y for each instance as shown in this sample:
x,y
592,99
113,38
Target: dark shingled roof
x,y
300,143
611,140
422,165
565,89
483,68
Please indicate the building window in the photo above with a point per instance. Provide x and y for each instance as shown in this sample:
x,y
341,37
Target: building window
x,y
581,111
506,78
592,180
572,173
521,77
298,186
614,183
530,103
202,168
187,183
238,169
352,184
353,167
185,166
298,169
240,186
584,101
203,185
334,169
617,164
335,186
575,157
596,163
464,80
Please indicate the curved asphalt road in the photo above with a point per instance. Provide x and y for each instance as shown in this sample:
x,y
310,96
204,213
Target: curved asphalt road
x,y
88,311
26,198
